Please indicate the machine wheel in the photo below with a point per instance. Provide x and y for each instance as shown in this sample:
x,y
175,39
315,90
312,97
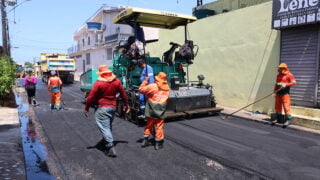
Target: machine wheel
x,y
133,101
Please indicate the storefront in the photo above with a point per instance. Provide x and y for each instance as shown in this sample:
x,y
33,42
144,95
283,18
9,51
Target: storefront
x,y
298,21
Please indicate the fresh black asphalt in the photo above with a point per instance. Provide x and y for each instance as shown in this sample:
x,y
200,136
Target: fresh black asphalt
x,y
202,148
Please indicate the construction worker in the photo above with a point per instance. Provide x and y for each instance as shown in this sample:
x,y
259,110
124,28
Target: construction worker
x,y
282,89
147,71
157,96
30,82
103,95
54,88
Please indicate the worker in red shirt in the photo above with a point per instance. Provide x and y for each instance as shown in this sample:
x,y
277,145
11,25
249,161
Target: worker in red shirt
x,y
282,89
157,97
103,95
54,88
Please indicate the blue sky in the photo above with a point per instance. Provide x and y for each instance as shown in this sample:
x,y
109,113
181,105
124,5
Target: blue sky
x,y
38,26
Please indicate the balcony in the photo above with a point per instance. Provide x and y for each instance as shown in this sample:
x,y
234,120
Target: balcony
x,y
112,39
73,49
116,38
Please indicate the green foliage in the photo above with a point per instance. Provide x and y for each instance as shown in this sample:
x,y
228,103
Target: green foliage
x,y
7,75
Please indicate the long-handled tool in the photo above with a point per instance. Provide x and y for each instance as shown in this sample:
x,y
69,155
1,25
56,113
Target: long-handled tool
x,y
224,117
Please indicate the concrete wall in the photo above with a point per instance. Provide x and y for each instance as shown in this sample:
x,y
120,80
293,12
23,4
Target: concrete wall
x,y
230,5
238,54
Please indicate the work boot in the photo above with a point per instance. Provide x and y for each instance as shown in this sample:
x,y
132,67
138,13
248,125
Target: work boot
x,y
58,107
286,124
273,122
287,120
159,145
34,102
274,118
112,152
145,142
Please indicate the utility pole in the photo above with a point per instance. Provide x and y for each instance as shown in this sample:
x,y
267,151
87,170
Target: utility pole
x,y
4,28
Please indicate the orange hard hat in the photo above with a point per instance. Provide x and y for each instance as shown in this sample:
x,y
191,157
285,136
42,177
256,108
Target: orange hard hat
x,y
161,77
104,69
283,65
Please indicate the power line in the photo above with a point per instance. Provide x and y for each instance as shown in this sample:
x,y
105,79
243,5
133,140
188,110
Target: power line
x,y
50,48
43,41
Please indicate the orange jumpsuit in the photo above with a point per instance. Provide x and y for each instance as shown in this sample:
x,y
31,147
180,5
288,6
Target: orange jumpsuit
x,y
283,95
157,97
54,88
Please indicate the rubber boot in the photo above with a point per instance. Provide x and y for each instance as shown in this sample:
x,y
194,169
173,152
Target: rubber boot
x,y
159,145
112,152
287,120
145,142
58,107
274,118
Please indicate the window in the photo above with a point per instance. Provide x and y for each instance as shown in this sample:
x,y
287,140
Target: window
x,y
88,58
109,53
97,38
88,40
83,42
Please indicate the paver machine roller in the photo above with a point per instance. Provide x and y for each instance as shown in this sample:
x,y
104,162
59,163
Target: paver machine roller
x,y
186,97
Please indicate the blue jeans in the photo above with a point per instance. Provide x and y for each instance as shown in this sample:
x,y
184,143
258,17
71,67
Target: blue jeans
x,y
104,117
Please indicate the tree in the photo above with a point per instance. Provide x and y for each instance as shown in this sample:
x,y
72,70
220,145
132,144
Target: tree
x,y
7,76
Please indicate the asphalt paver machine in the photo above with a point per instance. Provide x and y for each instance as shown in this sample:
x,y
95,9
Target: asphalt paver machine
x,y
186,97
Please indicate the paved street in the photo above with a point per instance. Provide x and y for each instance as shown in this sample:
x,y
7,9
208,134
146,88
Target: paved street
x,y
203,148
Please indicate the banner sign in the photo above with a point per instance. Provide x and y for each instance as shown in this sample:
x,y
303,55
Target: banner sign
x,y
289,13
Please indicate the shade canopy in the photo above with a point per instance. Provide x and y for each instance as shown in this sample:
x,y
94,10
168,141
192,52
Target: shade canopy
x,y
153,18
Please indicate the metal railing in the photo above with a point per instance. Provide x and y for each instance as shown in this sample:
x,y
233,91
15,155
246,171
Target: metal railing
x,y
113,38
116,38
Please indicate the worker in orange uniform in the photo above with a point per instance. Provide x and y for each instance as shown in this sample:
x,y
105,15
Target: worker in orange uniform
x,y
282,89
157,97
54,88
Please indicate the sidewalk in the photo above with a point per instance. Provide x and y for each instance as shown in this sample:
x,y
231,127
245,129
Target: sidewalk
x,y
262,118
11,154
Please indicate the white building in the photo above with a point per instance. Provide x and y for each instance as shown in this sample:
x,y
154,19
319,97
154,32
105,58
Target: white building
x,y
98,37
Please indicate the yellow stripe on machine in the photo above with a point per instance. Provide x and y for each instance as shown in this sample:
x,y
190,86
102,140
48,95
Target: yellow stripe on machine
x,y
153,18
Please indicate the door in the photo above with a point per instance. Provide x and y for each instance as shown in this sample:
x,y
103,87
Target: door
x,y
299,49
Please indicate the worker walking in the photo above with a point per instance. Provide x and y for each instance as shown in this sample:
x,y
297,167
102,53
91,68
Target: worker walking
x,y
157,97
30,82
103,95
54,88
282,88
147,71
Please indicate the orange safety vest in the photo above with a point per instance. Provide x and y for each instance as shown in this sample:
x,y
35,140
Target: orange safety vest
x,y
54,84
157,97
